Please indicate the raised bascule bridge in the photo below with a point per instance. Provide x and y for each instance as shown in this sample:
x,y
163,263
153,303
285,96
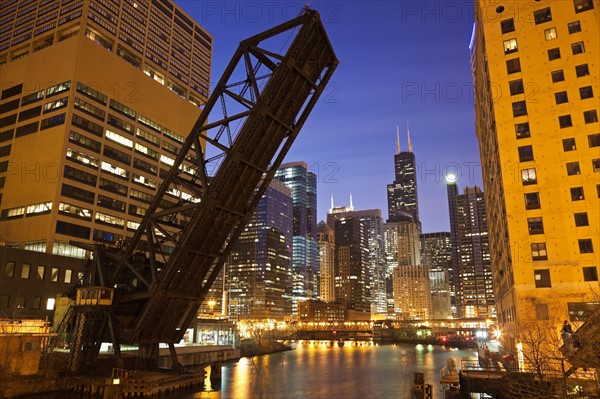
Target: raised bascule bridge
x,y
148,290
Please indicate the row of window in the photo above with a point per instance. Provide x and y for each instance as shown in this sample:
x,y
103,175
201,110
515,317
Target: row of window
x,y
511,46
543,15
34,303
28,271
542,278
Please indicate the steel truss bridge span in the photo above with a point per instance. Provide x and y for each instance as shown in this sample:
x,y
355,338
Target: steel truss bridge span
x,y
160,277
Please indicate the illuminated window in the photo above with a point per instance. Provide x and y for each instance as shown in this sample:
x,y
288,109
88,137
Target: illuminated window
x,y
550,34
25,270
51,301
54,274
510,46
109,219
59,88
154,75
68,276
538,251
41,273
528,176
13,213
74,211
117,138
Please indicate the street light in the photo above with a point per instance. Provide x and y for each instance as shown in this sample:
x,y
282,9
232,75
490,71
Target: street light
x,y
211,305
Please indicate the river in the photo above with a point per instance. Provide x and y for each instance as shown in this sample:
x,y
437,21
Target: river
x,y
318,369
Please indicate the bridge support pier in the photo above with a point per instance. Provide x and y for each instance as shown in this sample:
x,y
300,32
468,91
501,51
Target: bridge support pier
x,y
148,356
215,371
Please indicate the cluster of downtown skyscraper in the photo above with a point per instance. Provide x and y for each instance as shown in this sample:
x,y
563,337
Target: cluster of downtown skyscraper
x,y
356,262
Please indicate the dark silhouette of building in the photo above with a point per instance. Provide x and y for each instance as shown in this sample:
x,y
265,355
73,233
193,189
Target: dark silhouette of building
x,y
373,222
260,264
305,254
436,253
471,254
352,279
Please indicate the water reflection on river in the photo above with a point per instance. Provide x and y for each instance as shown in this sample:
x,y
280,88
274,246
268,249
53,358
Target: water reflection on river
x,y
322,369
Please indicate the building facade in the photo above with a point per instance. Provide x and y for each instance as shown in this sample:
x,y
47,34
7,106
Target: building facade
x,y
436,255
319,311
376,263
30,282
352,279
540,156
326,262
260,263
96,99
473,272
305,258
412,287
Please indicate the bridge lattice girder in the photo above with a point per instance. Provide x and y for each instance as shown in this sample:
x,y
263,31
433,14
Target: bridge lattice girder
x,y
223,169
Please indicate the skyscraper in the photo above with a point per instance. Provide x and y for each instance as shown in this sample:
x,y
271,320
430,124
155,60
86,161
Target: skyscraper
x,y
326,262
260,264
402,193
412,287
436,255
473,274
410,278
305,258
352,265
539,155
373,222
97,98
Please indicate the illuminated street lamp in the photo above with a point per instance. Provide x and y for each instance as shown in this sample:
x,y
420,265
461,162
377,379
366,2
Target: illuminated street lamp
x,y
211,304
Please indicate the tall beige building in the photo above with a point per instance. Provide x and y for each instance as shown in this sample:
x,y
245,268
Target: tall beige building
x,y
96,99
412,287
326,262
536,69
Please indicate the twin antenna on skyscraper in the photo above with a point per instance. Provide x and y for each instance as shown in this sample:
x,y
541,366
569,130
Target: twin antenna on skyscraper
x,y
410,149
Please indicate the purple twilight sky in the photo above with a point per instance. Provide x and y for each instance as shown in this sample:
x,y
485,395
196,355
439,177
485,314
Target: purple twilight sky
x,y
400,61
